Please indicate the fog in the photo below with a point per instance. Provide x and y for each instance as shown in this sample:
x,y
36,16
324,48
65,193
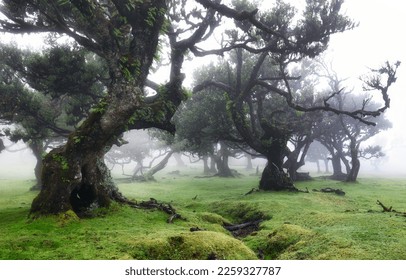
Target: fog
x,y
378,38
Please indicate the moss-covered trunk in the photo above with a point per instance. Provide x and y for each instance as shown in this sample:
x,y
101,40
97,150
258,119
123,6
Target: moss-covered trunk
x,y
74,176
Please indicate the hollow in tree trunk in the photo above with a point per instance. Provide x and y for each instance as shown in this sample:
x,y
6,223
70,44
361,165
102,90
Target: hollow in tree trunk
x,y
74,176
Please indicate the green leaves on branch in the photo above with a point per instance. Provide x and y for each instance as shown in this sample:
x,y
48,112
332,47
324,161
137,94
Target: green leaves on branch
x,y
130,67
101,107
153,13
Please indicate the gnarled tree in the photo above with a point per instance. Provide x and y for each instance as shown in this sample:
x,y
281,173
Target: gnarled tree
x,y
46,94
265,45
125,34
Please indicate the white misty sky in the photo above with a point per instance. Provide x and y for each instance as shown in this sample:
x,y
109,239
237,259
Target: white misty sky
x,y
379,37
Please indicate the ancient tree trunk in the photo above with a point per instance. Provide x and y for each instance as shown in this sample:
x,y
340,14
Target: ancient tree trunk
x,y
222,162
355,162
222,167
337,171
161,165
75,177
353,174
274,177
296,159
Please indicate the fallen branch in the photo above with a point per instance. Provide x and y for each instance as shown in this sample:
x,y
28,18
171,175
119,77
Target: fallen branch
x,y
390,209
385,209
306,191
252,191
243,225
244,229
330,190
173,217
152,203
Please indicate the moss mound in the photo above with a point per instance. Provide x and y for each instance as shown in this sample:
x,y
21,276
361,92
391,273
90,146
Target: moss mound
x,y
201,245
67,218
279,244
213,218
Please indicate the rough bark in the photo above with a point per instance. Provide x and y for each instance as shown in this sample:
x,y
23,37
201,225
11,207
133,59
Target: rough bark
x,y
273,176
355,162
275,179
74,176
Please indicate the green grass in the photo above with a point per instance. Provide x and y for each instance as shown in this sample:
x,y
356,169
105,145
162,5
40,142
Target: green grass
x,y
296,225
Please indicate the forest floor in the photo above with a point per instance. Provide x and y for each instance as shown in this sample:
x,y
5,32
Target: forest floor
x,y
312,225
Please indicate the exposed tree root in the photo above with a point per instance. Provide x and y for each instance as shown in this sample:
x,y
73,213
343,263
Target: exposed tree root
x,y
289,189
152,203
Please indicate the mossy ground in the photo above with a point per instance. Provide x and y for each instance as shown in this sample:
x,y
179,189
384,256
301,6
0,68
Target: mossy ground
x,y
296,225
